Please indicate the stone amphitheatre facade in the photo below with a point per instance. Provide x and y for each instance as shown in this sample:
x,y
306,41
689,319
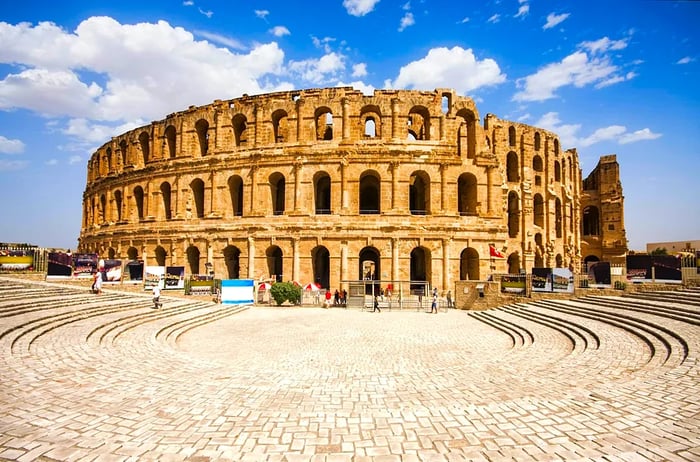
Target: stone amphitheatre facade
x,y
329,184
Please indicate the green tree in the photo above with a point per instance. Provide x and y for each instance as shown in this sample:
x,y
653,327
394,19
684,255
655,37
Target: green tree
x,y
285,291
659,251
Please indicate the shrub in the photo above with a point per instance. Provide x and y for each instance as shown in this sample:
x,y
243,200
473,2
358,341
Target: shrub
x,y
285,291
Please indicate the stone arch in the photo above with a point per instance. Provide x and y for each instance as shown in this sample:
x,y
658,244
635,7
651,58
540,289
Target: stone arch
x,y
202,129
467,198
197,187
232,256
512,137
166,195
138,201
591,221
275,262
193,256
369,258
118,203
239,123
279,126
466,133
556,147
370,193
124,151
469,265
538,141
419,123
235,189
558,217
321,265
324,123
421,264
512,167
171,141
371,120
559,261
322,194
160,255
103,208
132,253
538,209
145,143
110,160
514,263
111,253
419,193
277,193
537,164
513,214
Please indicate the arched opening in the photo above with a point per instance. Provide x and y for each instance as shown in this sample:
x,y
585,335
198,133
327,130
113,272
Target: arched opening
x,y
369,267
193,259
466,134
512,141
563,171
370,127
144,142
558,217
273,256
537,164
513,214
111,253
322,194
277,193
232,256
469,265
171,141
556,147
538,209
123,150
419,123
321,263
370,117
240,125
132,253
419,193
467,194
539,261
538,141
514,263
118,204
235,189
103,208
160,254
324,124
138,199
279,125
370,192
110,161
197,187
420,266
202,129
165,193
591,221
559,261
512,168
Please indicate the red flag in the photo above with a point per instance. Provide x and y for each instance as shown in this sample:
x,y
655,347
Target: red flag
x,y
495,252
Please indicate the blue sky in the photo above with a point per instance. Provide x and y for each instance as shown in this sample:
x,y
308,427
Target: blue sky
x,y
608,77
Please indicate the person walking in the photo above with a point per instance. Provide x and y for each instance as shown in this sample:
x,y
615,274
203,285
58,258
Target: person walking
x,y
98,283
433,305
376,305
156,296
449,299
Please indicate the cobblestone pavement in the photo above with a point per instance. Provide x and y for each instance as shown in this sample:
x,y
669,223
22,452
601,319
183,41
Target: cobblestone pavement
x,y
107,378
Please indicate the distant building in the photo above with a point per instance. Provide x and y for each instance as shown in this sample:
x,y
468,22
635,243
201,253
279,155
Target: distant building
x,y
673,247
603,236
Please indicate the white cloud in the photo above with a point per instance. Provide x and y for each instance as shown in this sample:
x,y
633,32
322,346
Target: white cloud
x,y
279,31
262,14
75,160
588,65
494,19
10,146
324,43
449,68
188,3
464,21
51,162
359,7
320,70
359,70
554,19
613,133
523,10
685,60
208,13
366,89
12,165
639,135
406,21
221,39
146,69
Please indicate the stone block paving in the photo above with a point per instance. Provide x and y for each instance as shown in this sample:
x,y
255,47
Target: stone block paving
x,y
311,384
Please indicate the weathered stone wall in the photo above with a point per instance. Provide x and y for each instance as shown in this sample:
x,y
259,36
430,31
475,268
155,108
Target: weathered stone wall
x,y
310,184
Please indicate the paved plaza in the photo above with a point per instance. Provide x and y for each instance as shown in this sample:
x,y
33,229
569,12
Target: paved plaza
x,y
108,378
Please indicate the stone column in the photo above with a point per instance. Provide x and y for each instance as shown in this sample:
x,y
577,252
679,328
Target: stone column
x,y
295,259
344,199
443,186
445,264
394,166
346,118
212,194
253,190
147,212
251,258
442,127
300,120
258,124
395,258
489,190
343,264
298,165
395,118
